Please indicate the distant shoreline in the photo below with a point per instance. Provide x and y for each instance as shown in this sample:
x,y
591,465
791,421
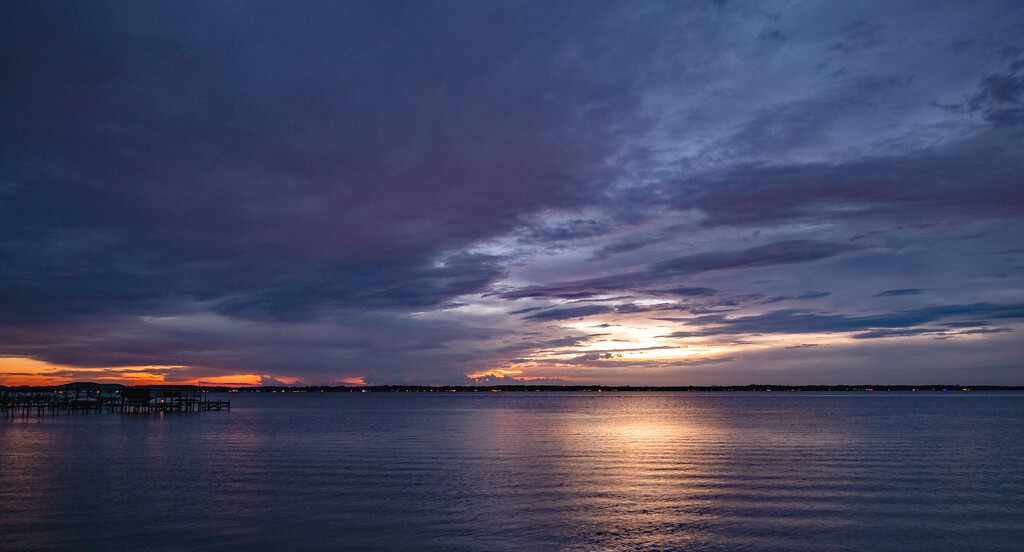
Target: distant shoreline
x,y
604,388
549,388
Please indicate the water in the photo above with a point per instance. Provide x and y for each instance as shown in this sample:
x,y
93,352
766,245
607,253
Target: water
x,y
524,472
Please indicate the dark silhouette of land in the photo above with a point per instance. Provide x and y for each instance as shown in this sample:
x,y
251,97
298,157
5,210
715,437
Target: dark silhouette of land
x,y
604,388
87,397
121,392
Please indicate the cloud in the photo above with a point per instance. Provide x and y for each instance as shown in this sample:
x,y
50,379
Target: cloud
x,y
923,183
1001,96
551,344
301,191
491,380
810,295
784,252
575,229
358,190
688,291
772,254
272,381
796,322
876,334
986,331
569,313
900,292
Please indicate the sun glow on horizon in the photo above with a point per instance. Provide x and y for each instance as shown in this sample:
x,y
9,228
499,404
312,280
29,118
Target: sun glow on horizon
x,y
18,371
498,372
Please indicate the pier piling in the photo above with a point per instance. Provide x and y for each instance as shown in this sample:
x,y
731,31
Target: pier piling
x,y
92,398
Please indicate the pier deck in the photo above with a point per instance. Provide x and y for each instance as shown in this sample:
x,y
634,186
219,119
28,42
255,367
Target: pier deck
x,y
96,399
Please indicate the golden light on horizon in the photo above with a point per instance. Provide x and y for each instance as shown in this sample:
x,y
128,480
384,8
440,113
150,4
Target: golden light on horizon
x,y
233,380
17,371
498,372
633,340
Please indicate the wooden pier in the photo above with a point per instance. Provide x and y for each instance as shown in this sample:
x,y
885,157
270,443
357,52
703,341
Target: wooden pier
x,y
91,398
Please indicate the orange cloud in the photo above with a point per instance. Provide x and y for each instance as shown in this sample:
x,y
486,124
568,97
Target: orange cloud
x,y
15,371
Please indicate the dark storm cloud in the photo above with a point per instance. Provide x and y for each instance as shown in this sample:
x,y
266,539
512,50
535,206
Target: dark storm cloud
x,y
276,165
779,129
572,230
799,297
979,179
569,313
353,344
590,310
876,334
526,310
899,292
549,344
778,253
688,291
795,322
623,247
400,287
1001,98
772,254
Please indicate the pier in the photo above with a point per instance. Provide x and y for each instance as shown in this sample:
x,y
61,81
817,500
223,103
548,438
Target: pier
x,y
93,398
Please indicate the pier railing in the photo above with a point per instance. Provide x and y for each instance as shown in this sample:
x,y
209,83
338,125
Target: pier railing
x,y
126,400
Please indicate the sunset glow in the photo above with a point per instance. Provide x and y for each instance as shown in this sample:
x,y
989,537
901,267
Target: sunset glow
x,y
653,193
16,371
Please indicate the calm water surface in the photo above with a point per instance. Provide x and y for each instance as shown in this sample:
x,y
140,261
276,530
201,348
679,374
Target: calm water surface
x,y
524,472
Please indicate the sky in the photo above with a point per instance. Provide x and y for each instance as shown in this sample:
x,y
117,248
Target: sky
x,y
617,193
